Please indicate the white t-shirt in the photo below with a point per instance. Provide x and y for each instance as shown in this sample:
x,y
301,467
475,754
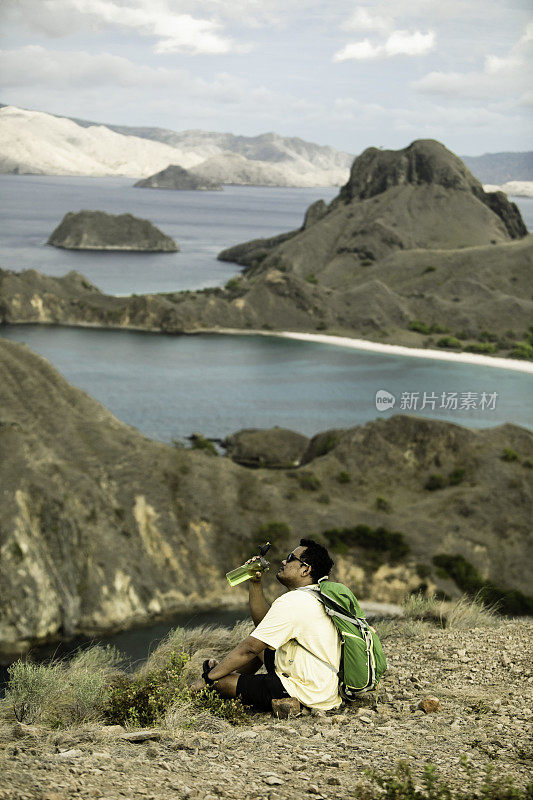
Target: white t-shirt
x,y
298,616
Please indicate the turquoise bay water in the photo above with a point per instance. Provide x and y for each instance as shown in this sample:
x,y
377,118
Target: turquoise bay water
x,y
171,386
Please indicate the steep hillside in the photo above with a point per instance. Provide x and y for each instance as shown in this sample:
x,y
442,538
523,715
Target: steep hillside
x,y
38,143
101,527
35,142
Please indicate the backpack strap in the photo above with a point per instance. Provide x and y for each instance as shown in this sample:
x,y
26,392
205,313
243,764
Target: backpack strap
x,y
326,663
361,623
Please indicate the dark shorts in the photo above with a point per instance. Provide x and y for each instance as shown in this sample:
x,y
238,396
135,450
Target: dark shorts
x,y
259,690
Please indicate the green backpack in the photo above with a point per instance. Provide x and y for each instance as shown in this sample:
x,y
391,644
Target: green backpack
x,y
362,658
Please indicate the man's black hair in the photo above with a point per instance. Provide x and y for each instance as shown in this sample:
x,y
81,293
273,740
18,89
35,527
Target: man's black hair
x,y
317,557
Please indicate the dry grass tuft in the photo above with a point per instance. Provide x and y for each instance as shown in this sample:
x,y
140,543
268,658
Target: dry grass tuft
x,y
463,614
198,643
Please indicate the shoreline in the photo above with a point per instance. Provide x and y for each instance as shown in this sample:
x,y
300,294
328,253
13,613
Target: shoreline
x,y
476,359
387,349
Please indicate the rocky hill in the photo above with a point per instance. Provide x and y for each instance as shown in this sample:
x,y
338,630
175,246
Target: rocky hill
x,y
501,167
102,528
97,230
175,177
412,251
39,143
236,169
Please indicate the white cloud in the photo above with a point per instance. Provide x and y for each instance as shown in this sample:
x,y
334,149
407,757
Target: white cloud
x,y
174,31
364,20
399,43
501,80
403,43
37,66
35,72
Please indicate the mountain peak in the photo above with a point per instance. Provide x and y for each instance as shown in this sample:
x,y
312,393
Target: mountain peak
x,y
424,161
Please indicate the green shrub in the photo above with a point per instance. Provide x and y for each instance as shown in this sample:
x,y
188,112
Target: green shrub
x,y
273,531
487,336
468,579
509,455
201,443
377,539
382,504
401,785
311,278
31,687
450,342
481,347
436,328
343,477
419,327
325,444
429,269
232,285
309,481
231,710
528,463
434,482
456,476
321,326
423,570
143,700
522,350
61,692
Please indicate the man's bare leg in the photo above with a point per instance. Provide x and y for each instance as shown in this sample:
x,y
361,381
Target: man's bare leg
x,y
227,686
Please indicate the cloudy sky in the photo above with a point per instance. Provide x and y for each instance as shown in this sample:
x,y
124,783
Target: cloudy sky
x,y
349,74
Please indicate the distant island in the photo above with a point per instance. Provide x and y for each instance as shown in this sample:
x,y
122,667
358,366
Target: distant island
x,y
97,230
175,177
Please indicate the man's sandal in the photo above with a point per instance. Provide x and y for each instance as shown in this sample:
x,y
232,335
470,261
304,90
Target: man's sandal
x,y
207,666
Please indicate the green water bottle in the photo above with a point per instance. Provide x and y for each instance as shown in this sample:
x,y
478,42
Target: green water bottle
x,y
247,571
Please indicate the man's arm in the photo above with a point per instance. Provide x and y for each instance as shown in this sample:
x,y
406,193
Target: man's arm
x,y
258,604
241,655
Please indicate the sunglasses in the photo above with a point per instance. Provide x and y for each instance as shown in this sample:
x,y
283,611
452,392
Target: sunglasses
x,y
292,557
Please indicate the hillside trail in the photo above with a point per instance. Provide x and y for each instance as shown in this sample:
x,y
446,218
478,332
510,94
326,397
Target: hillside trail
x,y
483,679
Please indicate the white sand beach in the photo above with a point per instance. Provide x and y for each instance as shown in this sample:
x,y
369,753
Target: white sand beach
x,y
392,349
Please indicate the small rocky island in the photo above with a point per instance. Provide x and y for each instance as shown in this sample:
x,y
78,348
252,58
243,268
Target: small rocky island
x,y
97,230
175,177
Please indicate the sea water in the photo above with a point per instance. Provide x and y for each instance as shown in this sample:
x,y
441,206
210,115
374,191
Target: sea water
x,y
171,386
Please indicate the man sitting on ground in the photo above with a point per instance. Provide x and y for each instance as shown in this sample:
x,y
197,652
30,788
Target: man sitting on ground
x,y
293,638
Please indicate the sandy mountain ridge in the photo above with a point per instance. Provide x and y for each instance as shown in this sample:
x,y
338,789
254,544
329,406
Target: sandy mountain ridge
x,y
35,142
101,527
411,251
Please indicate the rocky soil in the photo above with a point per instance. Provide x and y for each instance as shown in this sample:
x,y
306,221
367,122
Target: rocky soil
x,y
483,679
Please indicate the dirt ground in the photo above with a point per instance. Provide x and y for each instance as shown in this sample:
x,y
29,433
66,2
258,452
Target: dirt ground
x,y
483,679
